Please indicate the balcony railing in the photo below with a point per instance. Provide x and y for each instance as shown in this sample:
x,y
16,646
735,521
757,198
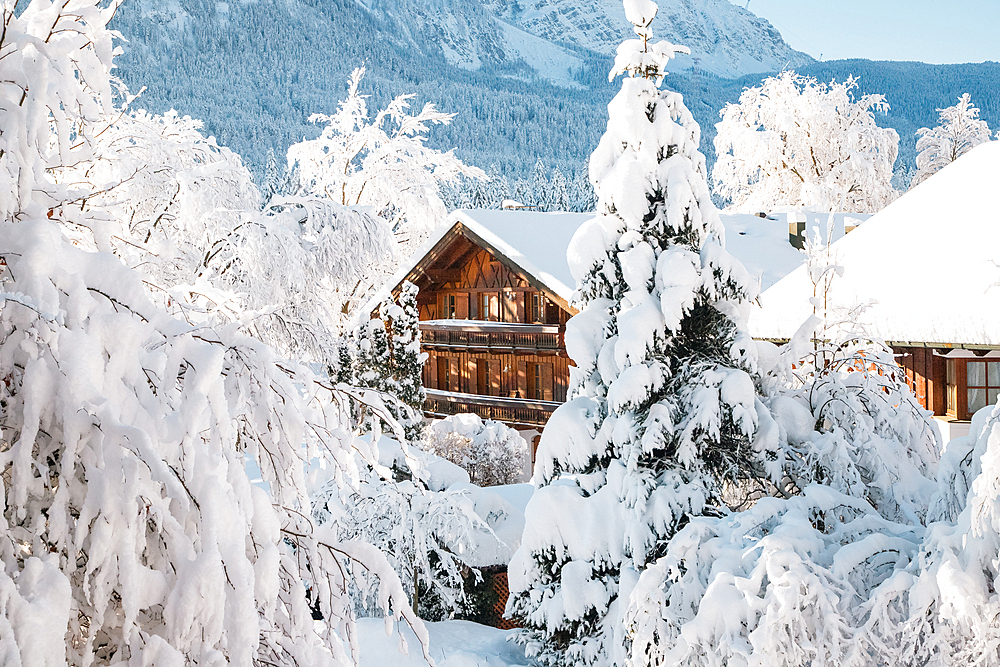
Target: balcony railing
x,y
472,334
516,411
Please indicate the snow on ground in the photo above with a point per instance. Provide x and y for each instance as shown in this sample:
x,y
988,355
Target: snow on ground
x,y
453,644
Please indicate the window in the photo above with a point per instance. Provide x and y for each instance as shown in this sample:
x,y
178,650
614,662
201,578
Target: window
x,y
444,373
484,306
951,388
537,308
450,309
537,393
982,380
483,377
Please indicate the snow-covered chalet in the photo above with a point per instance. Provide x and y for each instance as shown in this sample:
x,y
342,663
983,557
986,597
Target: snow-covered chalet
x,y
495,293
929,265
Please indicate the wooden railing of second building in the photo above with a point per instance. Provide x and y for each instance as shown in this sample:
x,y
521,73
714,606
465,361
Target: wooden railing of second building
x,y
516,341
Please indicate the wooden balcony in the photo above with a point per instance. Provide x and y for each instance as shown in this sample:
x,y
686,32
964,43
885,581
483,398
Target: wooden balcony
x,y
479,336
512,411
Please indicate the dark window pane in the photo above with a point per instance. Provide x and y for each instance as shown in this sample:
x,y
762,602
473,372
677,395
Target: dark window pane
x,y
993,373
992,395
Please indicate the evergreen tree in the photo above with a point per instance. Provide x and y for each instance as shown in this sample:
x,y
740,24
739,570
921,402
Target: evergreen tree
x,y
373,367
663,408
559,188
408,360
272,178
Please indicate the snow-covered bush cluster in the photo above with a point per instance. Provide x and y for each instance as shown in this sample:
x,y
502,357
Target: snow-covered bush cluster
x,y
403,507
490,451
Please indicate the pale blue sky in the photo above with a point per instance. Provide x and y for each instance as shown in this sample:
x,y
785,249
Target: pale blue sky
x,y
931,31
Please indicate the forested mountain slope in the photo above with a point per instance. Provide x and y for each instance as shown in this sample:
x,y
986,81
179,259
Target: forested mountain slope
x,y
254,70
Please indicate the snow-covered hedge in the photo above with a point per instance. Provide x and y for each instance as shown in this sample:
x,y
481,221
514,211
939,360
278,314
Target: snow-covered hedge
x,y
490,451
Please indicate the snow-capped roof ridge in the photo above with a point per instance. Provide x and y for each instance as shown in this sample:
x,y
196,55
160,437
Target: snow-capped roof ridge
x,y
534,241
927,261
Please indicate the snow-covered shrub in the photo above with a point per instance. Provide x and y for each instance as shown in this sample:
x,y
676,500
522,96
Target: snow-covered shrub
x,y
794,142
811,580
424,534
954,602
959,131
490,451
663,408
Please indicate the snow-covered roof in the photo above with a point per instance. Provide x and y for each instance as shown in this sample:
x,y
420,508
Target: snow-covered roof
x,y
929,261
535,241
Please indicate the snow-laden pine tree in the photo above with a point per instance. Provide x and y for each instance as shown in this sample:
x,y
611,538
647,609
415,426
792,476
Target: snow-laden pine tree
x,y
130,531
663,409
408,360
794,142
959,131
272,177
388,360
818,573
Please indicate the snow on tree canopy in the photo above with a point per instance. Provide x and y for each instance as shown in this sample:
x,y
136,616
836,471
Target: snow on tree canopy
x,y
959,131
663,405
794,142
130,531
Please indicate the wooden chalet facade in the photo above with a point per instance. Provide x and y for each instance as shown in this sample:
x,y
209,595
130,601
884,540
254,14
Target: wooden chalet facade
x,y
492,319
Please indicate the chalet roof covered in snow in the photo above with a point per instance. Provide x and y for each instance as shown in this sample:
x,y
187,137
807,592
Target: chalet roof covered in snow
x,y
928,261
532,243
536,243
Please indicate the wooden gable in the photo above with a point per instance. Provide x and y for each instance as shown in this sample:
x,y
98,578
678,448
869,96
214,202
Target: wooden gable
x,y
463,263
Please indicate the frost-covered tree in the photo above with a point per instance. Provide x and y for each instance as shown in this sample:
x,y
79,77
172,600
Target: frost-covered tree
x,y
129,528
490,451
959,131
795,142
185,212
381,161
663,409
